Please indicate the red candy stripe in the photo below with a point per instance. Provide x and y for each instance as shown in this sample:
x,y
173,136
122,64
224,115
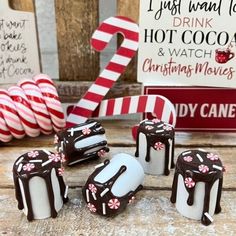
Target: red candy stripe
x,y
101,37
29,108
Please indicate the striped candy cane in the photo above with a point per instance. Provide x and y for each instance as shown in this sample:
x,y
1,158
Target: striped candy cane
x,y
157,104
30,108
130,30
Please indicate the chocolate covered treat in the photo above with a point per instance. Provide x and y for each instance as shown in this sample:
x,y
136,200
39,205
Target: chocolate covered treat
x,y
197,185
113,185
82,142
39,186
155,147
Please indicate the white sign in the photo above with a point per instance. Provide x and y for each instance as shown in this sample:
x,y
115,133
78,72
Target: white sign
x,y
19,56
188,42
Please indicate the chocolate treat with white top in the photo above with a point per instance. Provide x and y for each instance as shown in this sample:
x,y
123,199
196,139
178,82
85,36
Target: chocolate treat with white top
x,y
155,147
82,142
197,185
39,187
113,185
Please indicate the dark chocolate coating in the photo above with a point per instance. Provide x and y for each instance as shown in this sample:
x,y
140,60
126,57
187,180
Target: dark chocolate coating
x,y
66,143
37,170
153,135
199,172
113,204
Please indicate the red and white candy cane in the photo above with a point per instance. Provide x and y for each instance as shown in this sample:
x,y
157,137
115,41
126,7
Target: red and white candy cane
x,y
157,104
29,108
130,30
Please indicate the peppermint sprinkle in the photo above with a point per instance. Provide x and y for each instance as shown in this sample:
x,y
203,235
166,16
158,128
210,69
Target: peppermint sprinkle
x,y
19,167
66,191
104,209
100,165
208,216
47,152
185,153
159,131
104,192
87,195
199,158
19,161
36,161
47,162
72,132
62,145
217,167
94,196
149,123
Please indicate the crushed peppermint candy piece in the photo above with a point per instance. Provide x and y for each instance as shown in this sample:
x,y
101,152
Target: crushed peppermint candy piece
x,y
114,203
101,153
203,168
149,127
86,131
55,157
61,171
212,156
33,154
28,167
189,182
159,146
188,159
91,207
92,188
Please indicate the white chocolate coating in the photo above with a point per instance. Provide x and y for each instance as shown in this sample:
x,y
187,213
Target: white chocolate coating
x,y
39,196
156,165
129,180
195,211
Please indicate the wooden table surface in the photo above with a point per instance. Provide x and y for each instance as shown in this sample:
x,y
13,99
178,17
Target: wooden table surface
x,y
151,214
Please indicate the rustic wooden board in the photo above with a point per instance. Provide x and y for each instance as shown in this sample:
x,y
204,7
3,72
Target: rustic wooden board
x,y
129,9
76,176
76,21
23,5
119,134
151,214
72,92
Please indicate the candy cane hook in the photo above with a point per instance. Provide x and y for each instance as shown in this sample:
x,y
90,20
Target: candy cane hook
x,y
101,37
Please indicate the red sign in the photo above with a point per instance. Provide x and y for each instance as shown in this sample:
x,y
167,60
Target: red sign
x,y
200,108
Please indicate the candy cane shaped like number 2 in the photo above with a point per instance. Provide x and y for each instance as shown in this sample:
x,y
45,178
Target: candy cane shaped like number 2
x,y
91,105
101,37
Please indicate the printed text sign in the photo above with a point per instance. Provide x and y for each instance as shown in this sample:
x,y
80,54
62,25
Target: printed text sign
x,y
188,42
19,57
200,109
